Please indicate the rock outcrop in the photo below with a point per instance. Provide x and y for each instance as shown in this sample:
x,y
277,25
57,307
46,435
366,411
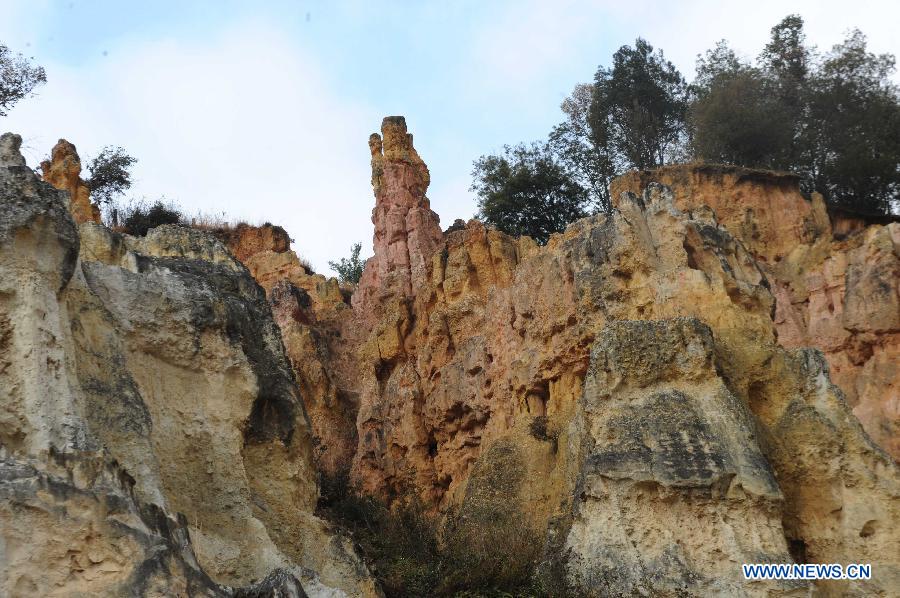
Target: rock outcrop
x,y
63,171
636,397
245,241
312,314
835,278
153,437
621,391
407,231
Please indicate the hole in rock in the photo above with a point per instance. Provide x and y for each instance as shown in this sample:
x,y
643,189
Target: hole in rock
x,y
868,529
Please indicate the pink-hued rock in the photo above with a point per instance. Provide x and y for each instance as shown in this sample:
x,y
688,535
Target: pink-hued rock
x,y
407,231
835,276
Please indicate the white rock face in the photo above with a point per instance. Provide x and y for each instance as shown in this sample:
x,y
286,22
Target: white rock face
x,y
147,409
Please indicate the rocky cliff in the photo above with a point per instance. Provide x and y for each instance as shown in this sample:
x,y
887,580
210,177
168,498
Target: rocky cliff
x,y
835,277
624,390
153,437
646,401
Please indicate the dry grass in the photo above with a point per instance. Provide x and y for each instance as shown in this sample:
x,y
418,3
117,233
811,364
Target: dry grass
x,y
414,553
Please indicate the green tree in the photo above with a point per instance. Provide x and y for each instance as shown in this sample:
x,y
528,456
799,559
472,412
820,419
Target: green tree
x,y
109,174
527,191
350,270
851,141
640,104
734,117
18,78
584,150
785,64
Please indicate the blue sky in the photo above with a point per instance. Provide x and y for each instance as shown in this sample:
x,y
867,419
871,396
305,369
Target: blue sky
x,y
262,110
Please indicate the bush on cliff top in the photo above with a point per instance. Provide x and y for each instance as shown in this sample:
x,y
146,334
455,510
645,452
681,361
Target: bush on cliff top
x,y
138,217
349,270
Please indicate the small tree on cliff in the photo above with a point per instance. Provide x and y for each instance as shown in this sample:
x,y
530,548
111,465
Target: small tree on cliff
x,y
18,78
109,174
349,270
527,191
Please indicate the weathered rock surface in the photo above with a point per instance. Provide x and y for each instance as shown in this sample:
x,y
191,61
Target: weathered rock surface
x,y
672,474
159,353
244,240
628,394
622,391
835,276
63,171
407,231
312,313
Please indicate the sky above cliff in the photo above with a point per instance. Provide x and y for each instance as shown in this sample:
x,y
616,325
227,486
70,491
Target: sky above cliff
x,y
262,111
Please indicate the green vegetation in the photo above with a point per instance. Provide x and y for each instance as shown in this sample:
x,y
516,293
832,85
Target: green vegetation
x,y
109,174
412,554
833,118
350,270
138,217
527,191
18,78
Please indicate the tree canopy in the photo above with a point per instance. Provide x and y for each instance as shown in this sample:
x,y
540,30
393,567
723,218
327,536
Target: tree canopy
x,y
527,191
640,104
832,118
18,78
109,174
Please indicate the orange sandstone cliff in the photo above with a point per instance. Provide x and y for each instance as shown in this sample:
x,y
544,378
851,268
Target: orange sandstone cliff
x,y
643,400
627,395
835,277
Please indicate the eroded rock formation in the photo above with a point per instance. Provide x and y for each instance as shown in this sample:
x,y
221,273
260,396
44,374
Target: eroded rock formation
x,y
835,276
407,231
622,390
245,241
153,438
637,395
63,171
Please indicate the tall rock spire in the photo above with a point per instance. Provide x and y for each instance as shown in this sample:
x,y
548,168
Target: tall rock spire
x,y
63,171
407,231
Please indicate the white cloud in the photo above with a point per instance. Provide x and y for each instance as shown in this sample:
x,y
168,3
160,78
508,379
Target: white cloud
x,y
244,123
526,42
687,29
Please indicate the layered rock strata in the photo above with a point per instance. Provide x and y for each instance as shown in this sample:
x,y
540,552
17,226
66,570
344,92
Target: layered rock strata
x,y
835,276
153,438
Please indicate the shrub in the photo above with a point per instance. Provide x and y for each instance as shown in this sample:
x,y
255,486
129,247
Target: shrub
x,y
350,270
413,554
138,217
